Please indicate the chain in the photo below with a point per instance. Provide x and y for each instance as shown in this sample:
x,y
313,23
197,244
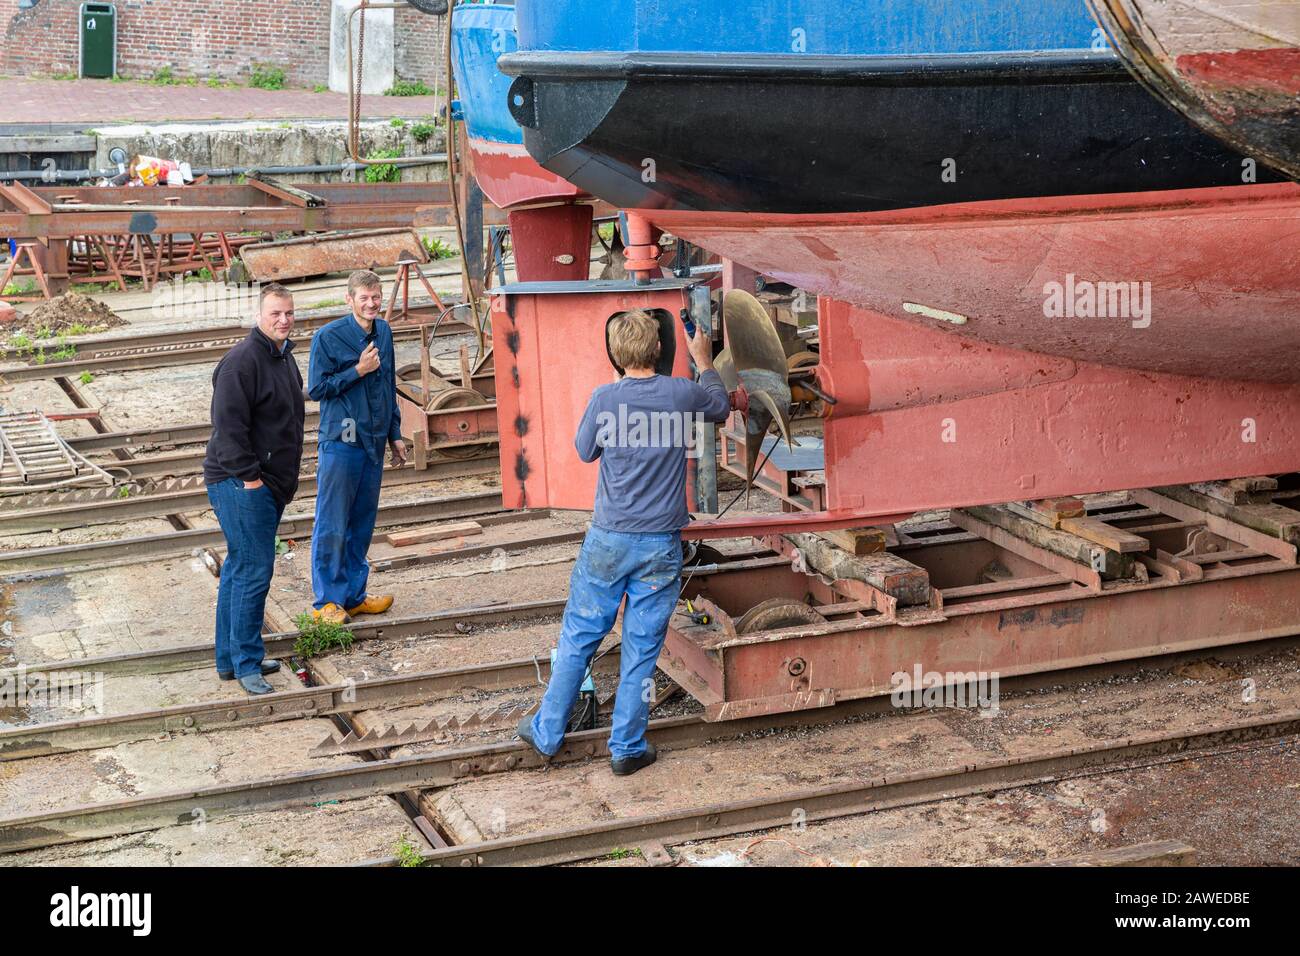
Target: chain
x,y
361,60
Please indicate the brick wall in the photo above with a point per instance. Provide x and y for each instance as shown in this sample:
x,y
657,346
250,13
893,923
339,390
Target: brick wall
x,y
208,38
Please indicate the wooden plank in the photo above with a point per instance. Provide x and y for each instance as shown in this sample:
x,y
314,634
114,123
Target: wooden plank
x,y
459,529
1237,491
1109,564
1048,511
1098,531
862,541
1157,853
897,577
1276,521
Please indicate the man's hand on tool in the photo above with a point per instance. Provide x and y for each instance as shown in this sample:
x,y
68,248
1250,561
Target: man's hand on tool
x,y
399,452
369,360
701,346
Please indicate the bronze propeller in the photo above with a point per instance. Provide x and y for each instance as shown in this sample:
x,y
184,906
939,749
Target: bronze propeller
x,y
755,359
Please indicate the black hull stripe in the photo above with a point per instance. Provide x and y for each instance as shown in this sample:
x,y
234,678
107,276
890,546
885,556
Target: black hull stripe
x,y
982,68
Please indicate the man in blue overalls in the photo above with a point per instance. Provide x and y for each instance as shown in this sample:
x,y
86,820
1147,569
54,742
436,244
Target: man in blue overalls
x,y
353,375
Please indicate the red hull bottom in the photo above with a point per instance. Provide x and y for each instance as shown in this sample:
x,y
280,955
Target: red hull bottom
x,y
1214,270
931,421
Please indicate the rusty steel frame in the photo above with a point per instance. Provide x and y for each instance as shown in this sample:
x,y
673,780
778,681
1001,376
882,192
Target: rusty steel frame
x,y
45,212
1045,617
136,217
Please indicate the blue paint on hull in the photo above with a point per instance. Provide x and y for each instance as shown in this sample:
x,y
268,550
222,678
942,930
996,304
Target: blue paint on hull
x,y
816,27
480,34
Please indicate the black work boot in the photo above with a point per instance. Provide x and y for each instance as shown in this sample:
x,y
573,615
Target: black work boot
x,y
630,765
268,667
255,684
525,731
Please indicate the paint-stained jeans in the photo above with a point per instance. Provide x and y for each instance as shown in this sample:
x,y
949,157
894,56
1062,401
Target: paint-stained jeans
x,y
248,519
347,503
645,567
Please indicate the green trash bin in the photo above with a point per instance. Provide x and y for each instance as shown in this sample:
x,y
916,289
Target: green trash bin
x,y
98,40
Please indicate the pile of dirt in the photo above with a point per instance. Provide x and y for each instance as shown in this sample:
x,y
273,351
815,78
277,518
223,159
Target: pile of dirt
x,y
66,313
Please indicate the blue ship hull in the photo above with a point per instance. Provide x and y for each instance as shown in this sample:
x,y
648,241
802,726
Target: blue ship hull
x,y
813,106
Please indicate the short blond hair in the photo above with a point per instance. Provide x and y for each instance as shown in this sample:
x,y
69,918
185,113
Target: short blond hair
x,y
363,279
634,340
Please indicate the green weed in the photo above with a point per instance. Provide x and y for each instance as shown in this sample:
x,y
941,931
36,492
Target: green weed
x,y
384,172
316,637
408,88
407,853
267,78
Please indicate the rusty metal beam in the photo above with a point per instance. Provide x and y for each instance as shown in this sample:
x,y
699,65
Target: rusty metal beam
x,y
61,213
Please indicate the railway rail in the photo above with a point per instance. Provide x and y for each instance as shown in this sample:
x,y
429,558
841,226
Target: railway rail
x,y
443,768
188,347
180,495
63,558
65,736
655,832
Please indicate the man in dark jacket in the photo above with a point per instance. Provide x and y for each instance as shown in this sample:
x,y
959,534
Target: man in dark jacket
x,y
251,471
353,375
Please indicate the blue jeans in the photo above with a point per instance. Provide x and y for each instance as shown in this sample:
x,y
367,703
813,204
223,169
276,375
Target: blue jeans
x,y
347,502
645,567
248,519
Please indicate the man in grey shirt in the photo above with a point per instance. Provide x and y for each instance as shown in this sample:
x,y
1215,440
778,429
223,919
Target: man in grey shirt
x,y
640,428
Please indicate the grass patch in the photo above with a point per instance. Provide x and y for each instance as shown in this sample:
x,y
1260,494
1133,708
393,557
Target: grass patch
x,y
622,854
423,132
163,77
407,853
85,378
408,88
316,637
96,287
267,78
27,287
397,123
328,303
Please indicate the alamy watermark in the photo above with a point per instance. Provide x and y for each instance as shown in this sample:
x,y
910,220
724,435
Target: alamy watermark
x,y
635,428
974,689
1085,299
179,299
73,909
74,690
